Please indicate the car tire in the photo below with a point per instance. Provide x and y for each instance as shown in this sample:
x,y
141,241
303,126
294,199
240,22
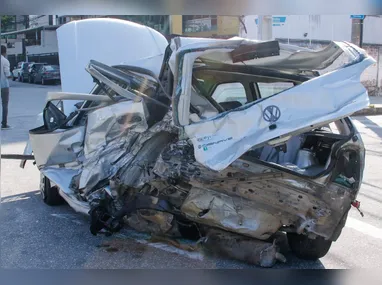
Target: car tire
x,y
22,79
13,78
49,194
29,79
43,81
306,248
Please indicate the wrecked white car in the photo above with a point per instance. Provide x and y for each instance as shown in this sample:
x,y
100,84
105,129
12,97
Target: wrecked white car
x,y
234,142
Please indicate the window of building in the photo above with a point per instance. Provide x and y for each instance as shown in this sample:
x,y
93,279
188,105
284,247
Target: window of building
x,y
199,23
230,92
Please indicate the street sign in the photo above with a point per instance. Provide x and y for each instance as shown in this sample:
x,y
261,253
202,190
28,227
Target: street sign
x,y
360,17
276,21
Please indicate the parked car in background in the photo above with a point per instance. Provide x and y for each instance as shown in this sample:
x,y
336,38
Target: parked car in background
x,y
20,71
33,70
47,74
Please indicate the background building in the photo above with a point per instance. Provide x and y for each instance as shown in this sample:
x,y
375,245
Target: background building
x,y
205,26
316,31
33,37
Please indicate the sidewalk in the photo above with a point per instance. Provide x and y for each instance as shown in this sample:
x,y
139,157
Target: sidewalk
x,y
375,100
374,109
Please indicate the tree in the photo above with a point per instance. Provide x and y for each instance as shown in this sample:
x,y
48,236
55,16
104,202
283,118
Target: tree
x,y
6,22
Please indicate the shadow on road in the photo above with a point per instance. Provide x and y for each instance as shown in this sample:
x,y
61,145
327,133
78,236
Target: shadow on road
x,y
369,124
25,103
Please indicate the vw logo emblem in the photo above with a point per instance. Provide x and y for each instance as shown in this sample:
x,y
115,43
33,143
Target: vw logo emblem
x,y
271,113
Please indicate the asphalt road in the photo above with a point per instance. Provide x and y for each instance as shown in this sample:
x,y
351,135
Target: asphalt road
x,y
34,235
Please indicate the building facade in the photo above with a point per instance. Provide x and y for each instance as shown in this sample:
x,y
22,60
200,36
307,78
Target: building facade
x,y
316,32
205,26
34,38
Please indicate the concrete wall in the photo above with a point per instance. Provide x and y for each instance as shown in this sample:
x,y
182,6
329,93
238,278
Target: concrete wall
x,y
176,24
228,25
49,44
18,49
372,30
318,27
371,78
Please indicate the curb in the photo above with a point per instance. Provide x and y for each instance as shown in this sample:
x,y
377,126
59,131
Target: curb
x,y
372,110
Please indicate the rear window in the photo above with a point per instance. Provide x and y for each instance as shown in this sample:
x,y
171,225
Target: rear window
x,y
38,66
230,92
51,68
269,89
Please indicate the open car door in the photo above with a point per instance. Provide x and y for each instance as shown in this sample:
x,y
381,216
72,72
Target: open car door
x,y
221,139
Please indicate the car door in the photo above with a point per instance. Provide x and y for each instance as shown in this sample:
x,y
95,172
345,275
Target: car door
x,y
38,74
61,138
220,140
17,69
34,71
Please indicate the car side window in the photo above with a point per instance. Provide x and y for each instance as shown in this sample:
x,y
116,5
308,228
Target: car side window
x,y
229,93
272,88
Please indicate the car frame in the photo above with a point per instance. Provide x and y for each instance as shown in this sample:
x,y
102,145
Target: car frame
x,y
167,155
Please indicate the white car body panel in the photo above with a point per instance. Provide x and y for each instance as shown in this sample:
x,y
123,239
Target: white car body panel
x,y
320,101
220,140
109,41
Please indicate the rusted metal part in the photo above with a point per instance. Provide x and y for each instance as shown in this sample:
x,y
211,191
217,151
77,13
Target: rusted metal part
x,y
241,178
173,242
153,222
305,204
232,213
257,252
17,156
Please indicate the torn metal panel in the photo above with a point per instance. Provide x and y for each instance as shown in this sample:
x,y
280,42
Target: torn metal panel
x,y
143,164
110,133
222,139
290,58
256,252
58,147
154,222
76,96
230,213
106,124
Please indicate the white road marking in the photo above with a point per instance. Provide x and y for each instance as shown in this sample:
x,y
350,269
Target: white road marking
x,y
364,228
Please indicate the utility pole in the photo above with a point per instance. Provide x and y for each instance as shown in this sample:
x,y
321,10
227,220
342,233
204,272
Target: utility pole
x,y
357,29
361,33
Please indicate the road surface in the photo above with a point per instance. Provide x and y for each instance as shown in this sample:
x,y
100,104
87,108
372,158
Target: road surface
x,y
34,235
